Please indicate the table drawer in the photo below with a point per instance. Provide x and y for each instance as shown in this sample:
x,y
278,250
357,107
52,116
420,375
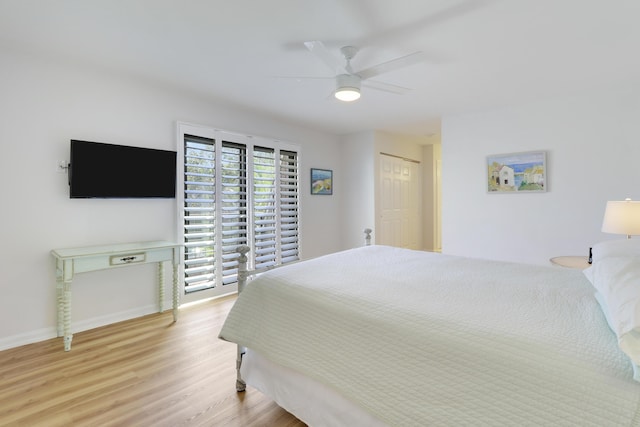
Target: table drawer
x,y
124,259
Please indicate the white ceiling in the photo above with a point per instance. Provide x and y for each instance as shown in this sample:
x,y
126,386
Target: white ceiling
x,y
481,53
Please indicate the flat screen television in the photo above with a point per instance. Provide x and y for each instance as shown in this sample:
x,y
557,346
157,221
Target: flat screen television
x,y
99,170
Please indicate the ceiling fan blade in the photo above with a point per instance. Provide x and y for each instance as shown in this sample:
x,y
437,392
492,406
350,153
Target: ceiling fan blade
x,y
394,64
367,13
300,78
386,87
318,49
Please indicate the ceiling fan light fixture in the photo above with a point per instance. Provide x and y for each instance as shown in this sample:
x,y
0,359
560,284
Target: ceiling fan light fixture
x,y
347,87
347,94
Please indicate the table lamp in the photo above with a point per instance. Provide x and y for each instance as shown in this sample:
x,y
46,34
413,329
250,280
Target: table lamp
x,y
622,217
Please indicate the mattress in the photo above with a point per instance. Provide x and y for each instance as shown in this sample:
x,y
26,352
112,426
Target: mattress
x,y
416,338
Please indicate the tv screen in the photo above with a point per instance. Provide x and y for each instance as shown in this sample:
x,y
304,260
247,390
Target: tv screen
x,y
104,170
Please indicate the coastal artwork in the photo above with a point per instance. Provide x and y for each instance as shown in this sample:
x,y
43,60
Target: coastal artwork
x,y
517,172
321,181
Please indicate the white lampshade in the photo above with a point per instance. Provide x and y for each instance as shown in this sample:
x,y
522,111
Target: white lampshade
x,y
622,217
347,87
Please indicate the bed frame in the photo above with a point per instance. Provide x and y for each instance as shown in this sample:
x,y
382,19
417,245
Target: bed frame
x,y
243,276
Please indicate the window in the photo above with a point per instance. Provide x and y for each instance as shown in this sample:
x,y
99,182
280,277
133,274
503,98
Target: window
x,y
237,190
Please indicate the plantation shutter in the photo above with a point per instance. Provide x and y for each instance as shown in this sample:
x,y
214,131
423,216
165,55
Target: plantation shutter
x,y
234,207
238,190
264,207
275,207
199,213
289,209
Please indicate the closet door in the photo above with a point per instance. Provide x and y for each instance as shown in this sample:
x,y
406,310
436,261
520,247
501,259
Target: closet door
x,y
400,200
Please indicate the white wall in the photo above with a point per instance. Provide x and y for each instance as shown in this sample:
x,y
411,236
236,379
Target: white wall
x,y
593,149
43,105
431,192
359,154
357,180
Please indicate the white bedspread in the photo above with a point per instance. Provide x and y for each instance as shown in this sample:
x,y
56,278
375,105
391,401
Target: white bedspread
x,y
421,339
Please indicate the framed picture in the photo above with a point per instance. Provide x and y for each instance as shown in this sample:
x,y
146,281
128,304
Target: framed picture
x,y
321,181
517,172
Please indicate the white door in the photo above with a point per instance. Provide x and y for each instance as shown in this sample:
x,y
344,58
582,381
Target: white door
x,y
400,203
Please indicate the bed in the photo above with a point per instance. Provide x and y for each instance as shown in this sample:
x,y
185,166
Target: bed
x,y
379,336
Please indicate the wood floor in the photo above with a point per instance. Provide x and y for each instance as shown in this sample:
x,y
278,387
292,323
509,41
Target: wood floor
x,y
142,372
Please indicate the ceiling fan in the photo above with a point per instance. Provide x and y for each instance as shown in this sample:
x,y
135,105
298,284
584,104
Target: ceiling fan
x,y
348,81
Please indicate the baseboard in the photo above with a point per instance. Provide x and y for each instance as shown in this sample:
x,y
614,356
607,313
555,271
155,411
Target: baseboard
x,y
84,325
27,338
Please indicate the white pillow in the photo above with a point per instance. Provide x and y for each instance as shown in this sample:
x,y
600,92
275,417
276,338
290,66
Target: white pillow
x,y
617,279
605,310
617,247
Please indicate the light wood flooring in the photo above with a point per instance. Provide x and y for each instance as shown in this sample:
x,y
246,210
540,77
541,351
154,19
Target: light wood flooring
x,y
143,372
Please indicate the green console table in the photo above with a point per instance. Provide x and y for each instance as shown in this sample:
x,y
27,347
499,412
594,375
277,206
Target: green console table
x,y
70,261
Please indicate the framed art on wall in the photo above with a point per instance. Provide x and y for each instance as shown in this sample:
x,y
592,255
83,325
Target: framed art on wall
x,y
321,181
524,172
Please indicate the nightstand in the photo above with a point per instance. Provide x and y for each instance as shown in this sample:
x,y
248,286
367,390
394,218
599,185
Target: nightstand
x,y
580,262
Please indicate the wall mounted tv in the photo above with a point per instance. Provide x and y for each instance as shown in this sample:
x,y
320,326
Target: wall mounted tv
x,y
99,170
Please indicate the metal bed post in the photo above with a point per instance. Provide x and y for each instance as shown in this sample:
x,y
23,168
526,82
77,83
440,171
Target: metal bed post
x,y
242,281
243,274
367,237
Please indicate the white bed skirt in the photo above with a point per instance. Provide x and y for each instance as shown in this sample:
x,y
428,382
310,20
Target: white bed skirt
x,y
313,403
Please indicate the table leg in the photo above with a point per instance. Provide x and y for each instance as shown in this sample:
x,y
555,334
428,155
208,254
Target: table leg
x,y
161,286
60,302
67,315
176,296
